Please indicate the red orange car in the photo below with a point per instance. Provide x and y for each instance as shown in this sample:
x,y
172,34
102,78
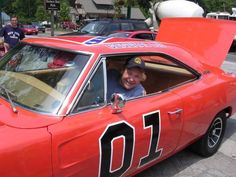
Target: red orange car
x,y
29,29
56,119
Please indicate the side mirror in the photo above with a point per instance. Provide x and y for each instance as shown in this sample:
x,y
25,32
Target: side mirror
x,y
117,102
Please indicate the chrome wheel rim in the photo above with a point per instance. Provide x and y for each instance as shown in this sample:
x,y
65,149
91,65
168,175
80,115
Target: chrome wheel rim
x,y
215,132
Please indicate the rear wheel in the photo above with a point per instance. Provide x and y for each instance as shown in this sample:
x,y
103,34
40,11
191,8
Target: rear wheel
x,y
210,142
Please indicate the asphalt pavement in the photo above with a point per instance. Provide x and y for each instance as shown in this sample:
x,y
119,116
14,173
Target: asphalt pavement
x,y
189,164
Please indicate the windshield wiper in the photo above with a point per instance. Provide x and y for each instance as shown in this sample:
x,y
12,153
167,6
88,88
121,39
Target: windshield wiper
x,y
9,98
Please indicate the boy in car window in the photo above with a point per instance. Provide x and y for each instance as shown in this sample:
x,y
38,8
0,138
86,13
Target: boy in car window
x,y
128,83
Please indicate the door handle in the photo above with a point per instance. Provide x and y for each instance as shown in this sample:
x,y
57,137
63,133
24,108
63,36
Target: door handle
x,y
177,111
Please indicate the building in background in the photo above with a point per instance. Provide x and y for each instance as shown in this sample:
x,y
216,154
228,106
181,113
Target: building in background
x,y
4,19
102,9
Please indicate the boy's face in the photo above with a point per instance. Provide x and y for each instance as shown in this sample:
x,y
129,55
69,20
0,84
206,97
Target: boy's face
x,y
131,77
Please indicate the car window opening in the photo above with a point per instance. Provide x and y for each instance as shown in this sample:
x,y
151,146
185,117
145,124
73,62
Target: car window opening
x,y
161,75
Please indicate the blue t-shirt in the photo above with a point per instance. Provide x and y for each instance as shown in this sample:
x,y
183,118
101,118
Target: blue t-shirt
x,y
114,86
12,35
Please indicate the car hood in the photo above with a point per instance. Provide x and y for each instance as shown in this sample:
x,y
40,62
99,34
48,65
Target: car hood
x,y
209,38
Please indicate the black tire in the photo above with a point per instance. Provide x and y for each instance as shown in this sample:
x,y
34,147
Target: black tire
x,y
211,141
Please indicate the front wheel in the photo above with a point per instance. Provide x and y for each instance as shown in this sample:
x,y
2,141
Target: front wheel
x,y
210,142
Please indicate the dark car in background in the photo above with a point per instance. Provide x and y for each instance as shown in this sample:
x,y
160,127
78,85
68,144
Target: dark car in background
x,y
39,26
106,27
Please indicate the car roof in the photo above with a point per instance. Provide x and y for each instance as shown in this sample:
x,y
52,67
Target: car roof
x,y
89,43
101,45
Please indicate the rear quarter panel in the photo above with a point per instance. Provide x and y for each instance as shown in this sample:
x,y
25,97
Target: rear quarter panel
x,y
202,100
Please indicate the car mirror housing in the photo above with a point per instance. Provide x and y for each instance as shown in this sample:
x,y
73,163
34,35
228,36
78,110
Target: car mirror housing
x,y
117,102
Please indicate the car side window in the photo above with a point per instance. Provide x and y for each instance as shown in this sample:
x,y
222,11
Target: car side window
x,y
126,26
144,36
166,74
93,94
114,27
161,73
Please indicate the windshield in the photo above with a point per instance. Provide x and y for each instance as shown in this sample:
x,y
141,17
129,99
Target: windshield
x,y
94,27
40,78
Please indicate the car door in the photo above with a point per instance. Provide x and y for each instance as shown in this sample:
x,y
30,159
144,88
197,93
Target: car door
x,y
92,141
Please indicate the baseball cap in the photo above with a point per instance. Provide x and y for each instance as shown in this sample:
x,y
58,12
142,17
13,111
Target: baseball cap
x,y
135,62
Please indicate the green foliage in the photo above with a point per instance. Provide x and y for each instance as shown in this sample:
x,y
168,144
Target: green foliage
x,y
144,6
130,2
24,8
28,10
72,3
3,3
117,8
6,6
218,5
41,14
33,10
64,11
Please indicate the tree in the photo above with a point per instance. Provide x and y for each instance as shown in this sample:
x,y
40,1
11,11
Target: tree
x,y
117,7
41,14
2,3
129,4
24,9
144,6
6,6
64,11
71,3
218,5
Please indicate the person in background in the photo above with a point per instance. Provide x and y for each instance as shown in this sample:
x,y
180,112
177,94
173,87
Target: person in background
x,y
3,48
12,34
128,83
